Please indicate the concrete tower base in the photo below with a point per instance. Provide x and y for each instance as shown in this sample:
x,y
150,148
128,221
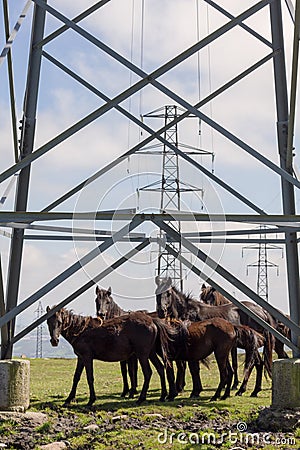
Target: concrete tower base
x,y
14,385
286,383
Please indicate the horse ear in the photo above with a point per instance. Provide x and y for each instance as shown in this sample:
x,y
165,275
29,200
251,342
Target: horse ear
x,y
203,286
213,289
97,289
109,290
48,309
169,281
157,280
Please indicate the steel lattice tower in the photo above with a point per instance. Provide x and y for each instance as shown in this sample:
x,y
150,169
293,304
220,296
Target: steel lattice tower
x,y
170,198
45,52
39,332
262,265
171,187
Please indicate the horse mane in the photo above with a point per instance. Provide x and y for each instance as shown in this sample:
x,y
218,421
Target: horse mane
x,y
192,309
114,310
75,324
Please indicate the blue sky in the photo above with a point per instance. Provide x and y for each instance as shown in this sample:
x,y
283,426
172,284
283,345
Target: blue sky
x,y
247,110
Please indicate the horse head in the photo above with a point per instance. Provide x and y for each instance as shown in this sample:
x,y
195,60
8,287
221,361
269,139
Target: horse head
x,y
164,285
103,302
55,324
207,294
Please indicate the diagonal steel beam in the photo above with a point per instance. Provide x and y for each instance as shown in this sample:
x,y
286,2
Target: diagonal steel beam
x,y
158,135
240,305
81,290
68,272
154,135
76,19
146,79
227,275
184,55
242,25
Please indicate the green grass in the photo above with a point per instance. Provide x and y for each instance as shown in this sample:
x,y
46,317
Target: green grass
x,y
143,425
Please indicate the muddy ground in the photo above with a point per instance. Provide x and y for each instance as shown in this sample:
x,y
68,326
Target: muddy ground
x,y
59,429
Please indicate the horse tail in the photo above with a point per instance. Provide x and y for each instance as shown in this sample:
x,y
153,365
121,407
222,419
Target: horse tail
x,y
247,339
268,351
165,334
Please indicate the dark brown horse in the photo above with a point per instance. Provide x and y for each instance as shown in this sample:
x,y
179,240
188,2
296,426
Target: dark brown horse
x,y
107,308
114,340
175,304
195,341
211,296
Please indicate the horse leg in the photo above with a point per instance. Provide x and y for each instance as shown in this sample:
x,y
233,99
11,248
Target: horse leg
x,y
194,367
259,372
249,364
171,380
235,367
88,363
161,372
279,349
180,377
229,380
76,378
132,370
223,366
147,372
123,365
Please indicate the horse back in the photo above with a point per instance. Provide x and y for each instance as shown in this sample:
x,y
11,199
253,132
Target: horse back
x,y
209,336
118,338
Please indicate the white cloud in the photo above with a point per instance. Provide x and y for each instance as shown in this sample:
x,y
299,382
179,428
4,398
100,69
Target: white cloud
x,y
247,109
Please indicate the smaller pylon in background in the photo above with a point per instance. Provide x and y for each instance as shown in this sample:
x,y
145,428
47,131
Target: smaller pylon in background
x,y
263,264
39,332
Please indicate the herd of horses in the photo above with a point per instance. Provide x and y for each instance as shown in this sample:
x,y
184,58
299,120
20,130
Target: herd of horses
x,y
183,330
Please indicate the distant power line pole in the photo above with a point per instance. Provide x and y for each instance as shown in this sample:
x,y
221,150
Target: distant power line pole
x,y
263,264
39,332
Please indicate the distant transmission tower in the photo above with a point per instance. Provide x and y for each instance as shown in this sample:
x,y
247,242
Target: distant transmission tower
x,y
171,188
263,265
39,332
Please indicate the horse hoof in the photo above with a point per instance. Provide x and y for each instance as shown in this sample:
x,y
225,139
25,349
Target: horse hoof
x,y
213,399
239,394
194,395
132,393
254,394
225,396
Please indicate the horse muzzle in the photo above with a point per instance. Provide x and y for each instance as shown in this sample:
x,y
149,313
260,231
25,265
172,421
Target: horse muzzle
x,y
54,342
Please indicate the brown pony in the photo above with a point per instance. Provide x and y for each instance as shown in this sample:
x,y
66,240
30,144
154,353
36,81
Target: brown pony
x,y
175,304
195,341
115,340
107,308
211,296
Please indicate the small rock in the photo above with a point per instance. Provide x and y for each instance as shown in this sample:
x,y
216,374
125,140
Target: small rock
x,y
93,427
54,446
116,418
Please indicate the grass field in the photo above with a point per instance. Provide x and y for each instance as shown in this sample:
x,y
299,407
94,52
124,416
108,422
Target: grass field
x,y
120,424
